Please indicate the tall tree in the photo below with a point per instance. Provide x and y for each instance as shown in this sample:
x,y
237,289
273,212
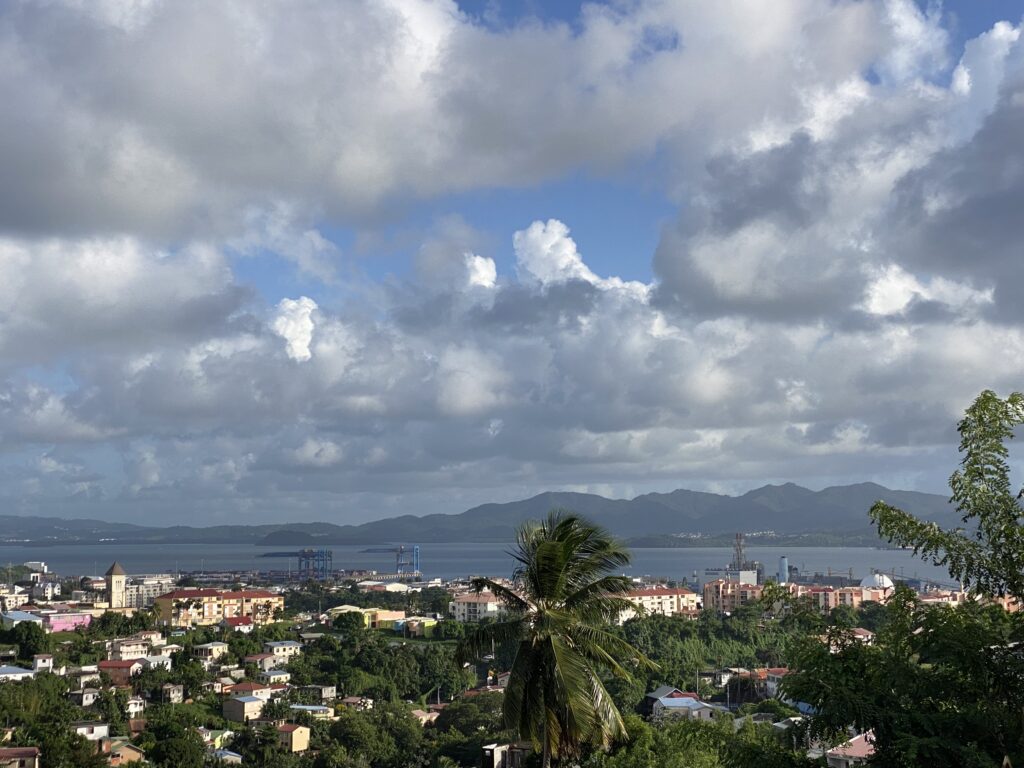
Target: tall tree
x,y
989,559
563,599
941,686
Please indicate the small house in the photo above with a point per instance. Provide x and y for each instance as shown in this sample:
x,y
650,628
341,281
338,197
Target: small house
x,y
294,738
242,709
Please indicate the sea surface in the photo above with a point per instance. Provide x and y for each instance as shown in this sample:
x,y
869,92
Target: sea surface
x,y
453,560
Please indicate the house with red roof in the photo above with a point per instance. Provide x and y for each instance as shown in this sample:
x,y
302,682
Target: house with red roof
x,y
294,738
243,624
857,751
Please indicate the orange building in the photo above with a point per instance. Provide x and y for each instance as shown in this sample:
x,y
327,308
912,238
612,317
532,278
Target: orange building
x,y
726,596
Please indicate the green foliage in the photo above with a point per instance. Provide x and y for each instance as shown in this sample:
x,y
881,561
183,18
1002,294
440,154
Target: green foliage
x,y
315,599
683,648
31,639
464,726
40,713
110,706
941,686
450,630
685,743
349,624
385,737
773,707
989,559
184,750
560,611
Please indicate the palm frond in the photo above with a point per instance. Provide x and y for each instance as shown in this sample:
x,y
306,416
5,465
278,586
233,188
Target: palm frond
x,y
512,601
479,641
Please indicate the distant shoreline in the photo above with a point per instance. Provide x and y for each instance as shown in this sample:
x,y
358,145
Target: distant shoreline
x,y
818,541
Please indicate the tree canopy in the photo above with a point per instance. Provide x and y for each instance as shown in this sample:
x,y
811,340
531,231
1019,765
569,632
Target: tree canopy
x,y
988,557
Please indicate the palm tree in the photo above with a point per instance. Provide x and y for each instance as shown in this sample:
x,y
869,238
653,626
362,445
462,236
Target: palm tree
x,y
559,610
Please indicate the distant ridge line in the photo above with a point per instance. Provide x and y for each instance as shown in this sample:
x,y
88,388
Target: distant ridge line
x,y
787,509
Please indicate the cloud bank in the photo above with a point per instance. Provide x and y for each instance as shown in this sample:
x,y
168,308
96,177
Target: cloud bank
x,y
840,280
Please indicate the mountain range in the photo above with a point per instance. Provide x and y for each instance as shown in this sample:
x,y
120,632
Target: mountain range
x,y
788,510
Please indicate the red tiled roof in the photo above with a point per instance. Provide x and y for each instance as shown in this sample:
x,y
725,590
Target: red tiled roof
x,y
288,728
238,621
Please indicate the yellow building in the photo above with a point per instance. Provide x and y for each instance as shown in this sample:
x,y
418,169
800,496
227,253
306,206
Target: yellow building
x,y
294,738
373,618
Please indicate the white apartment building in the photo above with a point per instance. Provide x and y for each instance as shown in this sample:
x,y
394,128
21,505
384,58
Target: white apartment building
x,y
471,607
46,590
142,591
282,650
129,648
679,601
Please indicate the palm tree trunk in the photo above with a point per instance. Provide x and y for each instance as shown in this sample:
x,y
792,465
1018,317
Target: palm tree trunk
x,y
545,760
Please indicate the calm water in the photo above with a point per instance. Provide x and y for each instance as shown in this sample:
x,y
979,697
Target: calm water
x,y
451,560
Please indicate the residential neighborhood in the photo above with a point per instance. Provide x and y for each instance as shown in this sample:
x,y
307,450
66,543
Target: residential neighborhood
x,y
245,659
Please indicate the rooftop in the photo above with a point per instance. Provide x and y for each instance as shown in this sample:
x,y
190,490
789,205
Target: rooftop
x,y
9,670
472,597
11,753
861,745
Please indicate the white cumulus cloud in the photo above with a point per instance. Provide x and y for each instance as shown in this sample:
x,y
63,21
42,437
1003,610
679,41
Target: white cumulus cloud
x,y
294,323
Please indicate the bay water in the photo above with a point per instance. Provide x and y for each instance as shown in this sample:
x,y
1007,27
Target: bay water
x,y
452,560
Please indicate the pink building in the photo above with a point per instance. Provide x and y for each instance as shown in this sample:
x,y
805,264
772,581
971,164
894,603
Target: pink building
x,y
66,622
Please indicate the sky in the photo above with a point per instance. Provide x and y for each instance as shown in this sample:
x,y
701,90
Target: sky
x,y
341,261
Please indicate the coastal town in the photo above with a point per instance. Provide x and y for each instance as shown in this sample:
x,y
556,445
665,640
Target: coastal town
x,y
252,673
